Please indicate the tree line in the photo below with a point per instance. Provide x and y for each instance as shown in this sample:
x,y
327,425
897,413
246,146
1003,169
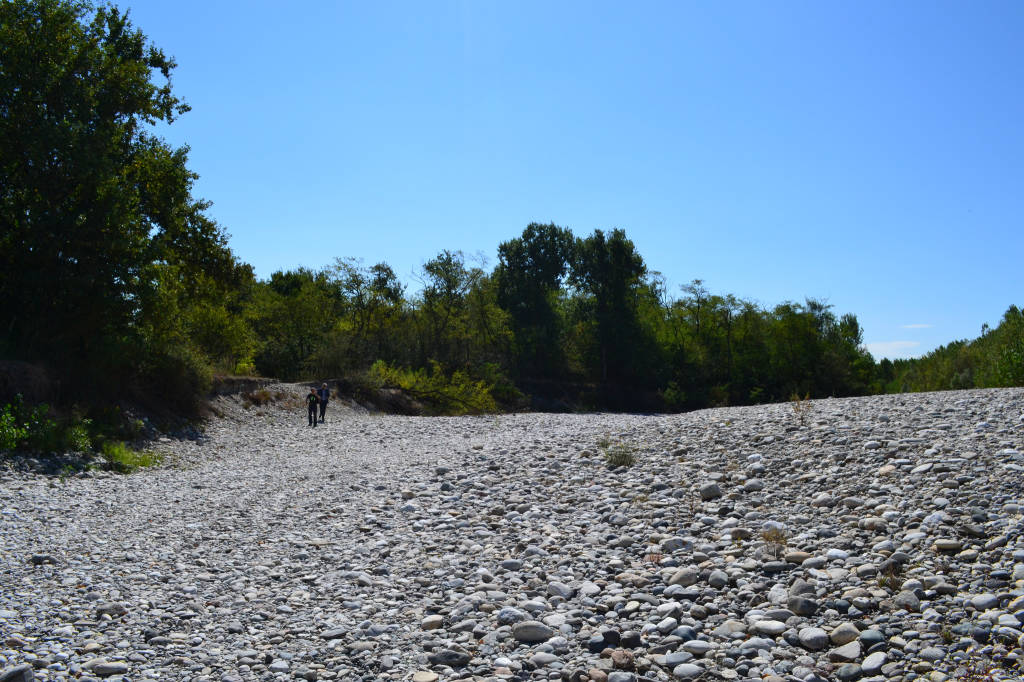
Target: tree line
x,y
571,321
113,275
994,359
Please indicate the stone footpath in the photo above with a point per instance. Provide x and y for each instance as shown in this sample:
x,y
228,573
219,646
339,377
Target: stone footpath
x,y
857,539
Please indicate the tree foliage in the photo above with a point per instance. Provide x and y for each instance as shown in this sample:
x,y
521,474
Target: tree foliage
x,y
529,278
112,273
995,358
97,223
609,276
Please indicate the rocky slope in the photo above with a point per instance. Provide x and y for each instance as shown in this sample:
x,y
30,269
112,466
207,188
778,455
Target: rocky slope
x,y
870,538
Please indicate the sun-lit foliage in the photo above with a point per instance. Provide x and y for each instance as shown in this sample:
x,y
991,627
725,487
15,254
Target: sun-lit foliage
x,y
112,275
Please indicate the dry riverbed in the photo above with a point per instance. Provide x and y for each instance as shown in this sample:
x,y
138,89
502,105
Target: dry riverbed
x,y
856,539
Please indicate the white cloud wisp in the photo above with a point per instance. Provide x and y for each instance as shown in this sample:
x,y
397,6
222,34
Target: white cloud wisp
x,y
893,349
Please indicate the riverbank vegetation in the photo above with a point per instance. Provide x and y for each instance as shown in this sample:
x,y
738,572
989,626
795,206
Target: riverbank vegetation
x,y
114,279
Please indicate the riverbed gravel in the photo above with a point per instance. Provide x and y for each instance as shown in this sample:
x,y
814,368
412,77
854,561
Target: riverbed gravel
x,y
875,538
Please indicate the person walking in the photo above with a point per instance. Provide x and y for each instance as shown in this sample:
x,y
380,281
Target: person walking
x,y
324,394
311,402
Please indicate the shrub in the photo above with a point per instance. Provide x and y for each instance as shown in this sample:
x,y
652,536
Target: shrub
x,y
775,538
673,396
802,407
11,431
258,398
76,436
182,376
24,426
499,385
619,455
445,394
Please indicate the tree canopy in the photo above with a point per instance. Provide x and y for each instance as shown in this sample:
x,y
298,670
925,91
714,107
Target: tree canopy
x,y
99,232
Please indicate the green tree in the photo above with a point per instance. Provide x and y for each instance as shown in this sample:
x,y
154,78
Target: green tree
x,y
292,314
95,211
995,358
372,323
460,321
529,276
609,276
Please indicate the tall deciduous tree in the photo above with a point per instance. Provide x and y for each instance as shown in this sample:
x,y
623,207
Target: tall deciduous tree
x,y
610,274
529,276
461,321
95,211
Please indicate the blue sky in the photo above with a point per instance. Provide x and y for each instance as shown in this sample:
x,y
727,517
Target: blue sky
x,y
870,154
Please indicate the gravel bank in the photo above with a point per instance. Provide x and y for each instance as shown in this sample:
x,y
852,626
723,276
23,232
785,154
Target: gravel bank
x,y
867,538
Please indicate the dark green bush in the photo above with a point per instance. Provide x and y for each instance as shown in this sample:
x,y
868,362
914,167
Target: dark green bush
x,y
176,379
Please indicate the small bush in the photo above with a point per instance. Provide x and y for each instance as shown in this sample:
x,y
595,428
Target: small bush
x,y
619,455
802,407
258,398
499,385
124,459
183,377
775,539
77,438
674,397
22,426
12,432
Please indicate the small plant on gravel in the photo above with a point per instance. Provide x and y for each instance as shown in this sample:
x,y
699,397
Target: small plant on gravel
x,y
892,576
775,539
693,504
890,582
125,460
802,407
619,455
653,556
66,472
977,668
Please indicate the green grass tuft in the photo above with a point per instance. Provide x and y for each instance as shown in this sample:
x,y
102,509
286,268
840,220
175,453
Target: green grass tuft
x,y
126,460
